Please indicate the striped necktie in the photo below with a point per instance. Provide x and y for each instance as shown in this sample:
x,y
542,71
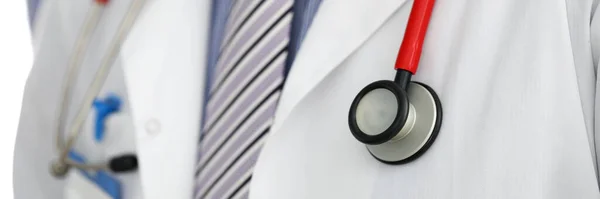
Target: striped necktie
x,y
243,96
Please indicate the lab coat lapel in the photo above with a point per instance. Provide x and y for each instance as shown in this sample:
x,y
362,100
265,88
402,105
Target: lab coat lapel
x,y
162,60
338,29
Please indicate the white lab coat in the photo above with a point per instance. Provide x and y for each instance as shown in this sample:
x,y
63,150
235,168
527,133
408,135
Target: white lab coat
x,y
517,81
159,72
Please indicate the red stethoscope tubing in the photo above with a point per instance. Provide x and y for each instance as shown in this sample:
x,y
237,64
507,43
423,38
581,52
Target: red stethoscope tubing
x,y
412,44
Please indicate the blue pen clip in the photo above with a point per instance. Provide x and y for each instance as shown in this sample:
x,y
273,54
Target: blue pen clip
x,y
102,179
104,108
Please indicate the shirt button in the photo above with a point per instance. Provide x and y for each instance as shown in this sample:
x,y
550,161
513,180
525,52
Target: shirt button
x,y
153,126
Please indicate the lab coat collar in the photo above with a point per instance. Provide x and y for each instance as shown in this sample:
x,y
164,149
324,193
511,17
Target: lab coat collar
x,y
338,29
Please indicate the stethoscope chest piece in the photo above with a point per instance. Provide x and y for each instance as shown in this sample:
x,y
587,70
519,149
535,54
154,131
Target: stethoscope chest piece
x,y
399,120
397,125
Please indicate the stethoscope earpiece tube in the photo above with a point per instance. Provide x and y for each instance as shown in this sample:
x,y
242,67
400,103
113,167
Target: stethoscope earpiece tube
x,y
60,166
416,29
398,120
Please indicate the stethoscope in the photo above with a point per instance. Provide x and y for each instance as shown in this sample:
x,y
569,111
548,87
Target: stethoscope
x,y
118,164
399,120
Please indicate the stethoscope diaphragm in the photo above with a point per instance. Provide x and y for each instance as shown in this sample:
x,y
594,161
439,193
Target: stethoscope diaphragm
x,y
396,126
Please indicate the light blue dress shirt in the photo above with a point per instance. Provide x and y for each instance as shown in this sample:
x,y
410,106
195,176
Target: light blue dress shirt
x,y
32,7
304,12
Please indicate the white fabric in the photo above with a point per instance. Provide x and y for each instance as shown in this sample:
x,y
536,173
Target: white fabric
x,y
517,80
160,63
